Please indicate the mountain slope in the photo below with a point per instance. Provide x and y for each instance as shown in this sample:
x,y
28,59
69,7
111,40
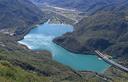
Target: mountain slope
x,y
11,73
16,16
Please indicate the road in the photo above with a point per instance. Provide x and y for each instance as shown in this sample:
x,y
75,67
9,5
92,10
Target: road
x,y
105,58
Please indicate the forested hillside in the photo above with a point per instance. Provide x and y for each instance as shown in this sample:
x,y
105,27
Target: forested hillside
x,y
105,30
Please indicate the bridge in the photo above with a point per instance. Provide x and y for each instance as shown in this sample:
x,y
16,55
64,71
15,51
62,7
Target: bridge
x,y
106,59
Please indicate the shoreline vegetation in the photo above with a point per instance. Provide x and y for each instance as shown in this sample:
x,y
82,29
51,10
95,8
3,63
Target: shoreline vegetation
x,y
35,51
76,52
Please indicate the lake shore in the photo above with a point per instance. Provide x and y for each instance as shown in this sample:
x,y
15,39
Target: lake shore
x,y
41,38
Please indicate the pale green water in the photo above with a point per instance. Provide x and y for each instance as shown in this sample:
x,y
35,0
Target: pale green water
x,y
41,39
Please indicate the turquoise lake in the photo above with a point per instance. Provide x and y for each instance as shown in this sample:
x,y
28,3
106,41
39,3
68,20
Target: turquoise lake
x,y
40,38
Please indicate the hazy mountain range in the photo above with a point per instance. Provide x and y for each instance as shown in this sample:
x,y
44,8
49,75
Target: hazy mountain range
x,y
90,6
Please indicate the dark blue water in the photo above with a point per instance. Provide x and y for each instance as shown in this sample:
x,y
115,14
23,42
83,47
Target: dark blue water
x,y
41,39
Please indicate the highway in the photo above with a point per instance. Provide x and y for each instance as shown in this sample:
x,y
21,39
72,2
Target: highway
x,y
105,58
